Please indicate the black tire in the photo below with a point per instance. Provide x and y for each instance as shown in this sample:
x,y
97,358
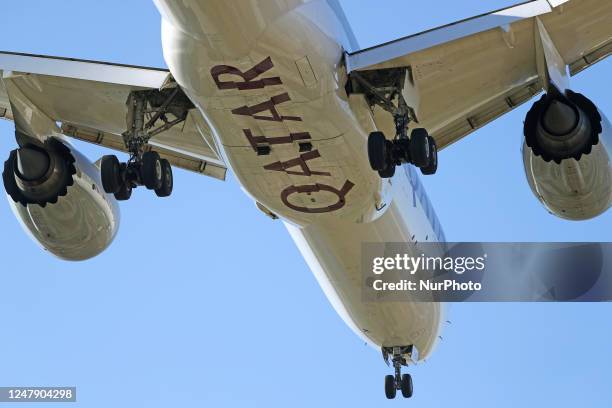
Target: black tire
x,y
378,151
433,165
124,193
110,171
151,171
419,148
406,386
168,181
390,390
389,172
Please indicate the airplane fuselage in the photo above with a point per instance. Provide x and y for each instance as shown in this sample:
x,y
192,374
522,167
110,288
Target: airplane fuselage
x,y
269,79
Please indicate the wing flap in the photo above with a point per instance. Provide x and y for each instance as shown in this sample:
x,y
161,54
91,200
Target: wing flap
x,y
591,58
185,160
87,99
485,113
473,71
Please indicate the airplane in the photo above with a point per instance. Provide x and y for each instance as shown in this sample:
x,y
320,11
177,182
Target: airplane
x,y
324,135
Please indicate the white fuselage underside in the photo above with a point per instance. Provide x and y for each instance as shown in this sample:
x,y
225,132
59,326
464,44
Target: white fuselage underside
x,y
269,79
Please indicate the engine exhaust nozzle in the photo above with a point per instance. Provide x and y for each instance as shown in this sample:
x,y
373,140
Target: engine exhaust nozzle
x,y
32,163
560,119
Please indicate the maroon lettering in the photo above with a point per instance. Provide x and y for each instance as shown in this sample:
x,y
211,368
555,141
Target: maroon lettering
x,y
315,188
251,79
248,76
270,105
298,162
255,141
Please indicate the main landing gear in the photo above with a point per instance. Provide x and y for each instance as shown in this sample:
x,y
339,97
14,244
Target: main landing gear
x,y
384,88
420,150
399,381
147,170
145,167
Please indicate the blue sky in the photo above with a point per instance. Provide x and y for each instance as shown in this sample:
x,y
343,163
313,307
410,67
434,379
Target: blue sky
x,y
189,307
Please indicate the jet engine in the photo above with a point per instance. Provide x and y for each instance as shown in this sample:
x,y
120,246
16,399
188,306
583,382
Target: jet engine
x,y
57,195
567,156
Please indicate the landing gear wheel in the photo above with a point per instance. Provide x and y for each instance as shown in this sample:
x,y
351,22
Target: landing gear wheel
x,y
124,193
390,389
406,385
419,148
389,172
433,165
378,151
111,174
167,180
152,172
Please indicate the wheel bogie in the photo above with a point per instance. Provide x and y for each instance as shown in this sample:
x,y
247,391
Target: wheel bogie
x,y
420,150
149,170
398,382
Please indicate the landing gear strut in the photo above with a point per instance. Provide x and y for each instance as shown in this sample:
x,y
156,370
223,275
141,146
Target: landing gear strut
x,y
398,381
384,88
145,167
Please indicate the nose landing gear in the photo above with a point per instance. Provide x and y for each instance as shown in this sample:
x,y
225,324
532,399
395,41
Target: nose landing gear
x,y
402,382
399,381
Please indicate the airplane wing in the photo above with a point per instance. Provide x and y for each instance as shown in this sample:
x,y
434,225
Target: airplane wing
x,y
469,73
87,100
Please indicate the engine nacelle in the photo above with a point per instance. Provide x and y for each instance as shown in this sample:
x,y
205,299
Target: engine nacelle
x,y
567,156
57,195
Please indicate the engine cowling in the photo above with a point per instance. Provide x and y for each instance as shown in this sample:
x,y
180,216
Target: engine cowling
x,y
567,156
56,194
